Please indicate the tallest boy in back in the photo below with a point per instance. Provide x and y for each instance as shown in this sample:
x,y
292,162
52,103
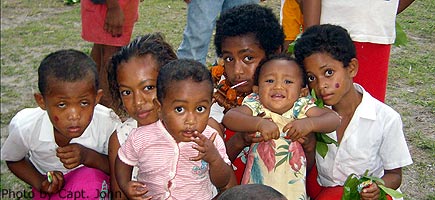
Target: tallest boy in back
x,y
60,148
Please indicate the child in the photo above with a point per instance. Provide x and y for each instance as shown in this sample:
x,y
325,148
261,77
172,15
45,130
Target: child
x,y
67,136
245,35
132,77
251,192
279,106
370,136
179,156
371,25
108,24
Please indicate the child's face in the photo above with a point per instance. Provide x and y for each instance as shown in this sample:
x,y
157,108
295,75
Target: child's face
x,y
328,77
279,85
137,80
70,106
186,108
241,55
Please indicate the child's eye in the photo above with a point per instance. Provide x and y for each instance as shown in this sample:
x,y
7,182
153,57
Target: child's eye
x,y
329,72
179,109
310,78
288,82
84,103
201,109
228,59
269,81
149,87
248,58
125,92
61,105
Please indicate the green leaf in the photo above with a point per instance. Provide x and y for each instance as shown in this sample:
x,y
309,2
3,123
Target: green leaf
x,y
318,102
322,148
325,138
391,192
401,38
350,191
281,153
280,162
284,146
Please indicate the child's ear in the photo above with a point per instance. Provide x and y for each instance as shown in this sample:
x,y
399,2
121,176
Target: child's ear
x,y
304,92
99,95
353,67
40,100
255,89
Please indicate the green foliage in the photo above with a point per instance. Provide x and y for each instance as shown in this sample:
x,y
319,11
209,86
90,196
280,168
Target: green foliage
x,y
71,2
355,184
322,139
401,38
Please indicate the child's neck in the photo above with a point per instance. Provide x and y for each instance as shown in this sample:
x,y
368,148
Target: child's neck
x,y
61,140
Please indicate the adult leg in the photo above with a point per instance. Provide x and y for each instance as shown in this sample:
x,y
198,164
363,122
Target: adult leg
x,y
201,19
101,54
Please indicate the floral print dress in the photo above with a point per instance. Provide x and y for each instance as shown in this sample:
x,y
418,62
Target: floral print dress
x,y
278,163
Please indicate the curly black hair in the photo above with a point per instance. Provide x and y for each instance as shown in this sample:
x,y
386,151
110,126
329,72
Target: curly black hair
x,y
153,44
281,56
250,19
66,65
326,38
182,69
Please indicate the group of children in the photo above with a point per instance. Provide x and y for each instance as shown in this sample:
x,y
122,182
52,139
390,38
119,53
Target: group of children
x,y
175,141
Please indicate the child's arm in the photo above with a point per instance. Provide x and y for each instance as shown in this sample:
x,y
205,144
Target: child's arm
x,y
311,11
114,18
25,171
72,155
403,4
221,174
322,120
240,119
113,153
392,179
133,189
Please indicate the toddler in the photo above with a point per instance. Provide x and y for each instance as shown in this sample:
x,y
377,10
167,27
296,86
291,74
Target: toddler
x,y
179,156
279,106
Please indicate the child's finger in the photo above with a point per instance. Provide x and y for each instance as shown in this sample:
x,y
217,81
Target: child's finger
x,y
213,137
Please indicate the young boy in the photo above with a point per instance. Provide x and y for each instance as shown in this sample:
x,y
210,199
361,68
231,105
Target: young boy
x,y
179,156
370,136
66,137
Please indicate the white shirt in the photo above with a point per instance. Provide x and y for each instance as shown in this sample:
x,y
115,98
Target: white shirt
x,y
122,131
31,134
373,140
371,21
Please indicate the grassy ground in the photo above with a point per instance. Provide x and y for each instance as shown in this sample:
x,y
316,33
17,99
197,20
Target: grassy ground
x,y
32,29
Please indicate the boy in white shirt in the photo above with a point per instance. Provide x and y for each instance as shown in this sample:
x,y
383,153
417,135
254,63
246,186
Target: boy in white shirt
x,y
66,138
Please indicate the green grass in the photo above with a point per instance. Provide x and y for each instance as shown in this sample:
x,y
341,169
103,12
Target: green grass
x,y
36,28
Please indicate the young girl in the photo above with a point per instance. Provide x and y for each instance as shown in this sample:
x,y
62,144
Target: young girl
x,y
179,156
245,35
370,136
371,25
65,138
132,77
279,106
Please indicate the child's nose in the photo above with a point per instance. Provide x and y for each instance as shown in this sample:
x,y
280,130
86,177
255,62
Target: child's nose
x,y
74,114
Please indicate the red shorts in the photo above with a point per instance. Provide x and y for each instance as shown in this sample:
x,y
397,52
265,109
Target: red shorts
x,y
373,68
94,16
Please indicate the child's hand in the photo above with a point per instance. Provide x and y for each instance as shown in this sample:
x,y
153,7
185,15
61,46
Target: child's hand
x,y
136,190
370,192
308,142
268,129
298,128
54,185
249,138
206,149
71,155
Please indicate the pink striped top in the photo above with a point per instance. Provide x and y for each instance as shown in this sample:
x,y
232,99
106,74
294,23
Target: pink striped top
x,y
164,165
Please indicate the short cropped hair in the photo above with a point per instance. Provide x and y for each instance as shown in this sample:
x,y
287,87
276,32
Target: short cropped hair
x,y
182,69
326,38
251,192
281,56
66,65
250,19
